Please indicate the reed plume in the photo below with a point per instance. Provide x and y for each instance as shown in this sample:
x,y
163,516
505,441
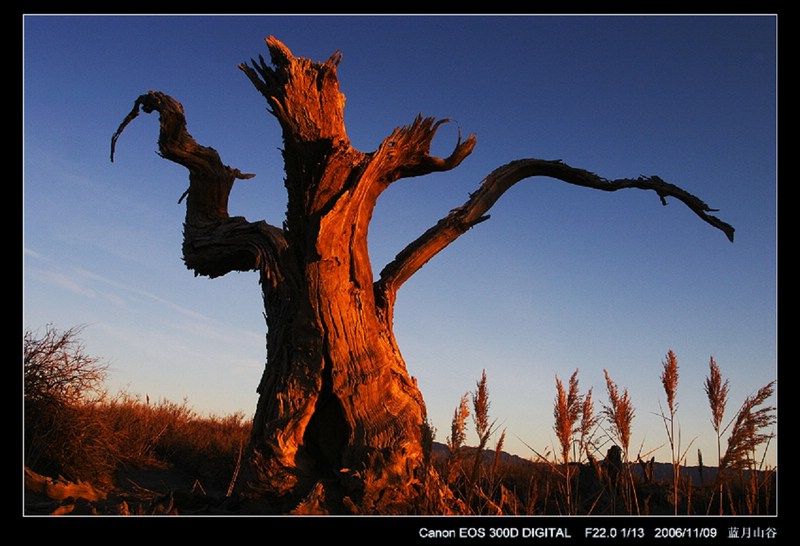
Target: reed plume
x,y
498,448
566,411
717,393
747,435
587,426
620,414
480,408
480,417
669,379
458,427
747,428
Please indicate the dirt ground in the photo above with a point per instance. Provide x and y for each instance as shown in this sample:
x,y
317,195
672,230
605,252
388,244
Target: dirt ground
x,y
154,490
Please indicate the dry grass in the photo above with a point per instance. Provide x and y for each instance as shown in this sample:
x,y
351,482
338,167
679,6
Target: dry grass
x,y
75,429
113,434
474,485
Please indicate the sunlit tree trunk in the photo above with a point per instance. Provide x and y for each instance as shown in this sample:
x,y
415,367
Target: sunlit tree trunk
x,y
340,425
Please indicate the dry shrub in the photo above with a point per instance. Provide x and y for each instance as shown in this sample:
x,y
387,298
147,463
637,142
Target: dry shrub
x,y
140,427
63,433
57,369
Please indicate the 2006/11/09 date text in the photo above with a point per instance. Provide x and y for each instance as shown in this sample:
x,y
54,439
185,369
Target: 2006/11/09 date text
x,y
658,532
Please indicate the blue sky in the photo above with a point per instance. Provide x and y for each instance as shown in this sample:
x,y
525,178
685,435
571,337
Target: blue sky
x,y
561,278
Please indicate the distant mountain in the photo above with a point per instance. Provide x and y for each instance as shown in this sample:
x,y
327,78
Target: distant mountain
x,y
661,471
441,450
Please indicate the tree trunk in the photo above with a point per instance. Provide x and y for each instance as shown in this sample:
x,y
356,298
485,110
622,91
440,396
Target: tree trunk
x,y
336,402
340,426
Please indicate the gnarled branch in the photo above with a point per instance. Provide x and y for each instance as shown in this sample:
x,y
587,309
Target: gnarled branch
x,y
214,243
449,228
406,152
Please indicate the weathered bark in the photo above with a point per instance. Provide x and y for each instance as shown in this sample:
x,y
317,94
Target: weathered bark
x,y
340,423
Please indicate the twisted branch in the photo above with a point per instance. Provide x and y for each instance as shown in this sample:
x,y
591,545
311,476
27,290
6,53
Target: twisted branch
x,y
214,243
459,220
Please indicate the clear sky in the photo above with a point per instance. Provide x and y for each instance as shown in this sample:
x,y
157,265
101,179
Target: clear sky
x,y
561,278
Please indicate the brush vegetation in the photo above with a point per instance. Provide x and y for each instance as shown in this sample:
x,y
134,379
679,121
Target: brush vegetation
x,y
87,451
76,432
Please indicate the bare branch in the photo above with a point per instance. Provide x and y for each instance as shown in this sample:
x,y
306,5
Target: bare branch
x,y
461,219
211,180
406,152
214,243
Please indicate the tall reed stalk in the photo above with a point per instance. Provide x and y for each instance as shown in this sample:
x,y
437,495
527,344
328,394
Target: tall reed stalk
x,y
587,426
747,433
669,379
566,411
458,435
498,449
620,413
745,438
717,393
483,428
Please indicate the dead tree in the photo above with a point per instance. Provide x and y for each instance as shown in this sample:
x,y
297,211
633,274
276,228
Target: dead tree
x,y
340,424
